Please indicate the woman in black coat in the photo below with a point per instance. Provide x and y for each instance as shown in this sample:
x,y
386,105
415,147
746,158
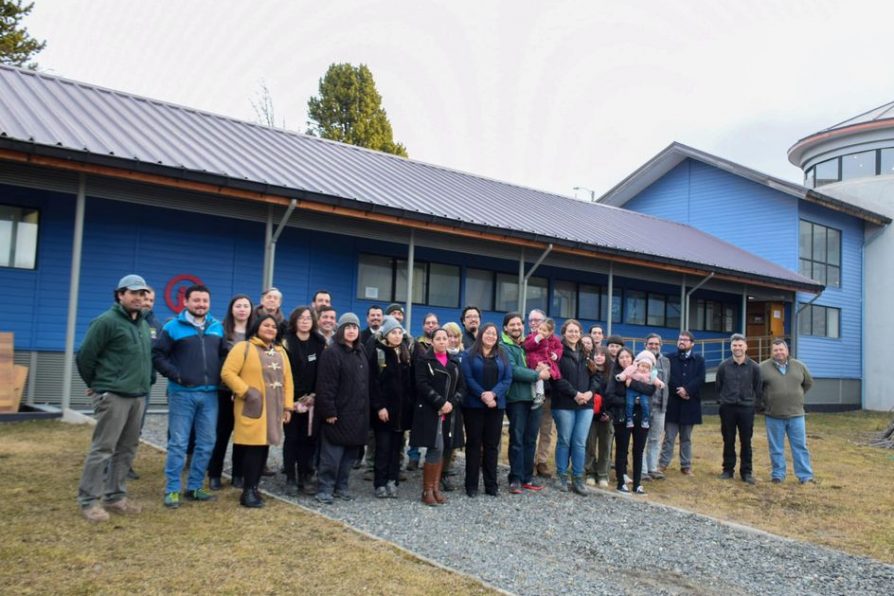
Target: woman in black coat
x,y
616,401
305,345
391,401
439,390
342,403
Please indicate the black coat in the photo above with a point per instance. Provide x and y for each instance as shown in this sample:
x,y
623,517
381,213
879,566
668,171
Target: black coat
x,y
343,392
437,384
688,373
615,398
304,375
576,378
391,388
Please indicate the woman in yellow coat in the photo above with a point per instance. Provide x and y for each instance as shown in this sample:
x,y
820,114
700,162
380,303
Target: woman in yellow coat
x,y
258,373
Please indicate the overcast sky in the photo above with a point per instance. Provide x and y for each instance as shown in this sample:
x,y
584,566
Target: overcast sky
x,y
551,95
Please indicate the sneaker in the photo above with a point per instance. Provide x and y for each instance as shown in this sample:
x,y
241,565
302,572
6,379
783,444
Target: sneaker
x,y
200,495
381,492
645,424
123,506
391,489
807,481
534,485
749,479
172,500
324,498
603,483
656,475
344,496
776,480
622,488
630,424
515,488
726,475
662,469
95,513
639,490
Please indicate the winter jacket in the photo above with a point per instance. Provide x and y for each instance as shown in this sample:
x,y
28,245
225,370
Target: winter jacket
x,y
688,372
522,377
576,378
473,373
543,351
190,358
116,354
437,384
343,392
390,388
615,397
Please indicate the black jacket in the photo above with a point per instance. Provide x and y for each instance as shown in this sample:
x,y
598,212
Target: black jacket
x,y
391,388
615,397
435,385
576,378
343,392
738,384
689,373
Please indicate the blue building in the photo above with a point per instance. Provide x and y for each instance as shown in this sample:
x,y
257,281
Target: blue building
x,y
96,183
793,226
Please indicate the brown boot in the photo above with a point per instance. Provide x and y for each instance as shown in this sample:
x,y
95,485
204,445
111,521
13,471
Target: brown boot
x,y
439,469
429,478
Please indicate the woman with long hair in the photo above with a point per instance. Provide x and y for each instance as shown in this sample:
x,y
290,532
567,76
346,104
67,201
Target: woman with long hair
x,y
258,372
304,344
488,375
236,324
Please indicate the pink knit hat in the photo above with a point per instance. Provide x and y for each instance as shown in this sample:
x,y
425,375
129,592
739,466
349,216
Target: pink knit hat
x,y
646,355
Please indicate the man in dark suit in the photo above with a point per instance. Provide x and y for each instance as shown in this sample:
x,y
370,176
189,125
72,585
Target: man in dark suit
x,y
684,406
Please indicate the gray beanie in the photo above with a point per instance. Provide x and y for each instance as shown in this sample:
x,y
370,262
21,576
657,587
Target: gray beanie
x,y
348,318
389,324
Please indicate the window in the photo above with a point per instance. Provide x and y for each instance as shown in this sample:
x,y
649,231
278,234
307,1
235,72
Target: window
x,y
443,285
617,296
656,310
507,293
887,162
420,283
827,172
480,289
710,315
809,182
18,237
374,275
819,249
588,302
673,311
384,279
858,165
564,300
635,307
819,321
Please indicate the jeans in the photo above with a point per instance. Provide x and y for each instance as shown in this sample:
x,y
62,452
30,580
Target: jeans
x,y
524,423
735,419
796,430
671,430
572,427
644,403
188,410
336,462
653,442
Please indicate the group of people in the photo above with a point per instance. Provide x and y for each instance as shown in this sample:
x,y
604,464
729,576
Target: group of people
x,y
325,390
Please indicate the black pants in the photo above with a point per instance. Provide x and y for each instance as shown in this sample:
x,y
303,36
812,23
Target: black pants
x,y
734,418
254,457
622,441
225,423
389,445
298,448
484,427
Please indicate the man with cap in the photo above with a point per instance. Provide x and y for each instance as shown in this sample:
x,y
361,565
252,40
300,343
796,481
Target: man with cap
x,y
115,362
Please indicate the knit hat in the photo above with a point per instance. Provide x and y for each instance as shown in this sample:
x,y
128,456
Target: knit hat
x,y
389,324
348,318
394,307
614,339
646,355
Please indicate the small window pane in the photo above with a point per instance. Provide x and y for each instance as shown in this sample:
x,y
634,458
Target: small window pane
x,y
507,292
819,273
858,165
536,295
564,300
833,323
617,296
804,319
420,283
819,243
616,308
374,278
833,244
833,276
887,162
18,237
805,240
673,311
588,302
635,307
827,172
656,310
480,289
729,319
805,268
809,181
443,289
818,321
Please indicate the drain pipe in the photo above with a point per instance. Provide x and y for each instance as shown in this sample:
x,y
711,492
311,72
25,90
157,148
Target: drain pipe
x,y
523,290
689,294
71,325
611,299
411,265
271,246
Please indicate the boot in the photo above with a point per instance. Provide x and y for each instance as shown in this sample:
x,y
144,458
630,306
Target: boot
x,y
436,486
250,498
429,478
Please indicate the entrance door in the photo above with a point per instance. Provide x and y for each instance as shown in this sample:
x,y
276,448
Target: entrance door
x,y
764,322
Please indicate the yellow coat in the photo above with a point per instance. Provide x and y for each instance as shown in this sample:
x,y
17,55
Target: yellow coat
x,y
241,371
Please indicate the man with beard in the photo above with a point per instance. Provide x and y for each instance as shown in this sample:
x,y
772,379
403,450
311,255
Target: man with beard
x,y
374,317
471,319
684,404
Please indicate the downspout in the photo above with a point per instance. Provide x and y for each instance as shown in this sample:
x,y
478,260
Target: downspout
x,y
268,235
610,298
271,244
521,281
684,312
744,309
523,289
689,294
411,263
71,325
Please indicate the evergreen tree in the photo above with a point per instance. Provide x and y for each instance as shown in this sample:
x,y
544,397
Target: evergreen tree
x,y
17,46
349,109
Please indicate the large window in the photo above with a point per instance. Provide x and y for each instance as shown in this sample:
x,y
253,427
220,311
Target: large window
x,y
711,315
507,293
875,162
886,159
634,307
564,302
18,237
827,172
480,289
858,165
384,279
819,321
819,249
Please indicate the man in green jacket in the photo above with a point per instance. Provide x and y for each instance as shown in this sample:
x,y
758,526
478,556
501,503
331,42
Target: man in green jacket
x,y
524,422
115,361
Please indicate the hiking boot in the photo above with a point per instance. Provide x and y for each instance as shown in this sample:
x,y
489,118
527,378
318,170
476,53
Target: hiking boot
x,y
381,492
95,513
726,475
200,495
123,506
251,498
172,500
215,483
579,486
562,483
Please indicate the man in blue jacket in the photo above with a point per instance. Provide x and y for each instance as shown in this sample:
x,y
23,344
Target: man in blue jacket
x,y
684,404
189,353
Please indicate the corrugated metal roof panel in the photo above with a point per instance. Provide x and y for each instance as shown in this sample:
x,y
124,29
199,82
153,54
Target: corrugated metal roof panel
x,y
55,112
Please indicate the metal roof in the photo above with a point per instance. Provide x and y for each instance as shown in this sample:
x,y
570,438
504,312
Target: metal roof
x,y
53,116
883,112
676,153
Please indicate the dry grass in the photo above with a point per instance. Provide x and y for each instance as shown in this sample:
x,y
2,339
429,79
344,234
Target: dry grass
x,y
849,508
46,547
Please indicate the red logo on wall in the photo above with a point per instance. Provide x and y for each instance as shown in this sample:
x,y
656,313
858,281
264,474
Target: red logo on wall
x,y
176,289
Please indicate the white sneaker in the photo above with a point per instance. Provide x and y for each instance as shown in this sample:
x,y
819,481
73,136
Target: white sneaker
x,y
628,479
603,484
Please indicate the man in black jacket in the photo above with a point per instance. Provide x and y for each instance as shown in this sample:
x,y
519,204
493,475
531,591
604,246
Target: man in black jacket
x,y
684,404
738,386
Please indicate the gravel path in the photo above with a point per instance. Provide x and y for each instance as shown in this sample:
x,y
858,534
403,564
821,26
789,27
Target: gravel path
x,y
555,543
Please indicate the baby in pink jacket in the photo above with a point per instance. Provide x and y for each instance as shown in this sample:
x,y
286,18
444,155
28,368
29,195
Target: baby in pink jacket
x,y
543,346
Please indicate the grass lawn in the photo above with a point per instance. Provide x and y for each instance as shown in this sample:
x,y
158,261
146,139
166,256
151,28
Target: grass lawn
x,y
851,507
46,547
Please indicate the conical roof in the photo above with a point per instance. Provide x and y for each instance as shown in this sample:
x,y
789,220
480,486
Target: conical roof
x,y
883,112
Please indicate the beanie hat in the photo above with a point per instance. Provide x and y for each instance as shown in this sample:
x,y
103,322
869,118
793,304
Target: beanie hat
x,y
389,324
614,339
646,355
348,318
394,307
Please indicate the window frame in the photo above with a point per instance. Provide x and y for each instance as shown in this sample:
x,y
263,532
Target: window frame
x,y
815,263
806,319
25,210
395,263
